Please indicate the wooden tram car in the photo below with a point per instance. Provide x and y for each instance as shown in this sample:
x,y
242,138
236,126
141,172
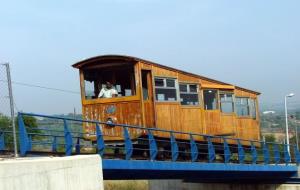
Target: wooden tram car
x,y
157,96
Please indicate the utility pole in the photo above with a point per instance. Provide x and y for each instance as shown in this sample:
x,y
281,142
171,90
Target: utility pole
x,y
287,122
12,110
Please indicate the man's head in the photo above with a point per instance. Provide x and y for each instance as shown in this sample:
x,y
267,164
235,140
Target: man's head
x,y
108,85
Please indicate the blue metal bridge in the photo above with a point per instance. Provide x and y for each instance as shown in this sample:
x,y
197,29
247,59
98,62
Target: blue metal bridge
x,y
216,159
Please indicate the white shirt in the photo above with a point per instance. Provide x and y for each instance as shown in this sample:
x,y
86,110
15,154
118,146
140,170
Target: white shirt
x,y
107,93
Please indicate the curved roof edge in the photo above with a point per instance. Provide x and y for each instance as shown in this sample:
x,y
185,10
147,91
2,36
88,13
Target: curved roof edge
x,y
84,62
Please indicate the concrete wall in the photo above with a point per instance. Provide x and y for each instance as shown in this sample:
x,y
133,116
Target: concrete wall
x,y
179,185
57,173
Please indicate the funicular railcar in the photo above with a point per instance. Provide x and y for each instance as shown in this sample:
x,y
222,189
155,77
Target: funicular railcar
x,y
156,96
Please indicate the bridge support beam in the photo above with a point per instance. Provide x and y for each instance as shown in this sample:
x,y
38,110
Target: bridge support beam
x,y
181,185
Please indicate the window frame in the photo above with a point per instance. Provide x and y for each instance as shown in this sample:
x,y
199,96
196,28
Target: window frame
x,y
217,99
86,101
251,108
189,92
233,102
248,107
166,87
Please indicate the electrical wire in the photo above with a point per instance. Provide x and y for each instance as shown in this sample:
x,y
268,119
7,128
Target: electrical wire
x,y
42,87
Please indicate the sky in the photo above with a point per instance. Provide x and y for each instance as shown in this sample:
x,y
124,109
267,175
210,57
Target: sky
x,y
252,43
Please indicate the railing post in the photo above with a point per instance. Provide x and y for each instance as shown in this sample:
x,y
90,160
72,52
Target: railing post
x,y
128,144
100,140
297,155
174,147
54,144
211,150
287,157
152,146
253,153
276,154
266,153
194,149
77,146
68,139
227,153
241,152
23,137
2,142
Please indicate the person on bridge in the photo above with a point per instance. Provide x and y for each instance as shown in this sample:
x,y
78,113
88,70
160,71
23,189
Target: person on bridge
x,y
108,91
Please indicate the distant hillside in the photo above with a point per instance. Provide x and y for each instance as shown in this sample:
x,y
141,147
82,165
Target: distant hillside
x,y
275,122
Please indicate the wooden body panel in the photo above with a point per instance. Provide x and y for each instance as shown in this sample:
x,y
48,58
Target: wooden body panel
x,y
213,122
167,118
228,124
124,112
191,121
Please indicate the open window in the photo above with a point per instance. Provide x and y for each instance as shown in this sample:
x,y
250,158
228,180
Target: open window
x,y
189,94
165,89
210,99
226,101
121,77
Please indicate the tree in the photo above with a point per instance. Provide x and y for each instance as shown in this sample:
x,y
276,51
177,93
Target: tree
x,y
297,114
270,138
5,126
4,122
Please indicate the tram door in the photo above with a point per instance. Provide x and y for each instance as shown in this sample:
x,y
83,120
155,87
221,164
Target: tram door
x,y
147,93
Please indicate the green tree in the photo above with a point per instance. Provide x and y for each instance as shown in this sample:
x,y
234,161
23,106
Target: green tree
x,y
270,138
297,114
30,123
4,122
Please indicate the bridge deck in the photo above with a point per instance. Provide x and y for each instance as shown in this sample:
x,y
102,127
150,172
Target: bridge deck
x,y
200,172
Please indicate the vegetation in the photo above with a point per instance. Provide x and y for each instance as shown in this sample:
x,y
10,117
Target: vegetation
x,y
270,138
126,185
5,126
297,115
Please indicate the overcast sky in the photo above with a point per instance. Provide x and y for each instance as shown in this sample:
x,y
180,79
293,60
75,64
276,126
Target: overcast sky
x,y
254,44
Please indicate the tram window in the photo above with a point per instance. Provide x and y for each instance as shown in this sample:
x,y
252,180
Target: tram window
x,y
189,94
165,90
170,83
159,82
183,87
89,89
121,78
252,106
193,88
227,104
242,106
145,85
210,99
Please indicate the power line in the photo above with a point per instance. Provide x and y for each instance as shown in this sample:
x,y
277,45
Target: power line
x,y
42,87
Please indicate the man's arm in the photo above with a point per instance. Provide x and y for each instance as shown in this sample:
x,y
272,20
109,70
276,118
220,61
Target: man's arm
x,y
101,93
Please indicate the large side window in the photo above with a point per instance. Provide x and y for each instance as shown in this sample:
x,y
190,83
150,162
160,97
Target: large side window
x,y
227,104
252,106
113,81
210,99
242,106
189,94
165,89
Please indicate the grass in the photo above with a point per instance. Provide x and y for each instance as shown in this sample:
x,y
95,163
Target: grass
x,y
126,185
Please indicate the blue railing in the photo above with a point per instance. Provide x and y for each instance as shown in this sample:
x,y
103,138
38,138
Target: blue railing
x,y
199,147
